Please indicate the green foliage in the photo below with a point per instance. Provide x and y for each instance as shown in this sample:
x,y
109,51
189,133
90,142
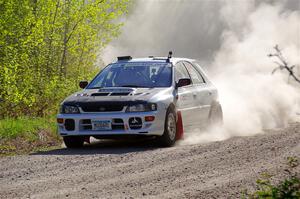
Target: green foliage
x,y
47,46
288,188
25,127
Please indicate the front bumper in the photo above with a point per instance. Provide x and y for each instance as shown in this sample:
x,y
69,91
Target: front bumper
x,y
81,124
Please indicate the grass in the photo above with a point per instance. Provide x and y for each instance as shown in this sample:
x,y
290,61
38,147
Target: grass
x,y
25,127
25,134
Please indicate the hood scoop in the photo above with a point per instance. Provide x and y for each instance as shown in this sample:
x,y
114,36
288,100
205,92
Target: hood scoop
x,y
141,94
116,90
119,94
100,94
113,92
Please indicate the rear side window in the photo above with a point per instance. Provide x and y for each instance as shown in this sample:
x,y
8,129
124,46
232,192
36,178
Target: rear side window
x,y
180,72
195,75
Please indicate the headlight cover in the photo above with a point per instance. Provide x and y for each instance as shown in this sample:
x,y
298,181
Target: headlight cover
x,y
69,109
142,107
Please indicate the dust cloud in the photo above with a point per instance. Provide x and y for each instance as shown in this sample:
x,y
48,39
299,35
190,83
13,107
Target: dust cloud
x,y
231,39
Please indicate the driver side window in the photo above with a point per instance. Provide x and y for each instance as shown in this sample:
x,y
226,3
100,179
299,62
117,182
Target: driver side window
x,y
181,72
195,75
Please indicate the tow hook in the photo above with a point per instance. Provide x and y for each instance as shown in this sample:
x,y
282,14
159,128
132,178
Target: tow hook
x,y
87,139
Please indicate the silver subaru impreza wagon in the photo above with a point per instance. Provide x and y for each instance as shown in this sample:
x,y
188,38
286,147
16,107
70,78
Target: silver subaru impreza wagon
x,y
161,97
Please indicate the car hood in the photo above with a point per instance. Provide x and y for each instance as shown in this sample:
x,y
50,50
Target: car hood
x,y
116,94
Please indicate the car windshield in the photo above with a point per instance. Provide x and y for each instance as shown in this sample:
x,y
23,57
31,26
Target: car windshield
x,y
134,74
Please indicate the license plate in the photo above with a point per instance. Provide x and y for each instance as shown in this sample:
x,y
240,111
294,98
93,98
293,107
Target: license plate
x,y
101,125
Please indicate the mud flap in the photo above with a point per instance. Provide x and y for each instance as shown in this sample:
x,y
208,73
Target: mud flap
x,y
179,126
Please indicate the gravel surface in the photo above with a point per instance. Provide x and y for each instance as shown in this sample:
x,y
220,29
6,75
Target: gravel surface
x,y
138,169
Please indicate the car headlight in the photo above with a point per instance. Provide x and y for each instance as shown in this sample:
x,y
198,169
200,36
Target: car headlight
x,y
69,109
142,107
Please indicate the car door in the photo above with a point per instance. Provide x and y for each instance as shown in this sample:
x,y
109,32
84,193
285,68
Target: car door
x,y
201,95
185,97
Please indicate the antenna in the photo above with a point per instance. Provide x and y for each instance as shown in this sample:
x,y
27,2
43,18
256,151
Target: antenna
x,y
170,54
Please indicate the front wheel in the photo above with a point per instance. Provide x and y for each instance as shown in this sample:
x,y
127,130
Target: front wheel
x,y
170,130
73,141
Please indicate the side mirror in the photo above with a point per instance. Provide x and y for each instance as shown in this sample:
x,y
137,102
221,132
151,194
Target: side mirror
x,y
83,84
183,82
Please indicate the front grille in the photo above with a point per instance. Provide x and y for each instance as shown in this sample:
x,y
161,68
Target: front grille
x,y
117,124
99,94
87,127
118,120
98,107
86,121
86,124
105,106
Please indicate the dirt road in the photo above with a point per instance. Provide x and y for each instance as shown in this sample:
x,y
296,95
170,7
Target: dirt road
x,y
140,170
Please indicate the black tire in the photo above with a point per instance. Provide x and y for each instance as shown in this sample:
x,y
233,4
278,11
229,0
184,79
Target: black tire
x,y
170,129
73,141
215,115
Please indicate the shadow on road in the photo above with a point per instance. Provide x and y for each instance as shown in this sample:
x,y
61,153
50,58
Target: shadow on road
x,y
105,147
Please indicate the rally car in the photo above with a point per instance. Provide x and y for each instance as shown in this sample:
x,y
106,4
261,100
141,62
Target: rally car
x,y
160,97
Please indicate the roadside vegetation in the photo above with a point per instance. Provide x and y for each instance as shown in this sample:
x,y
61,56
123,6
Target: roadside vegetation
x,y
289,187
26,134
47,47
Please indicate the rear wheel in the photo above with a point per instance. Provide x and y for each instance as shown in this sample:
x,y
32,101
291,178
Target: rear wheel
x,y
216,115
73,141
170,130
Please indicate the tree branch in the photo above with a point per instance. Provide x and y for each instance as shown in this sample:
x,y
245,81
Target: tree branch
x,y
283,64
